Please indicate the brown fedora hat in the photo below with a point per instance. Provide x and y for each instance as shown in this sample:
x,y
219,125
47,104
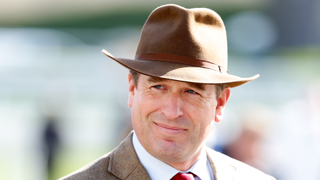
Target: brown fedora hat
x,y
182,44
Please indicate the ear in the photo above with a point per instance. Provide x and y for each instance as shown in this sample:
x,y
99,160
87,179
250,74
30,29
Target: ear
x,y
131,90
221,103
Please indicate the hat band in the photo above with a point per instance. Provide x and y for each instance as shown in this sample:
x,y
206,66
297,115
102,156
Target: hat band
x,y
182,60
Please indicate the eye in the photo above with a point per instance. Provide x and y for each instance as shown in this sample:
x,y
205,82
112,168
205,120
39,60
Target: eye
x,y
191,91
158,87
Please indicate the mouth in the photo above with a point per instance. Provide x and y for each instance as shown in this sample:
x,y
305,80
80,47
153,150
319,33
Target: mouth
x,y
170,129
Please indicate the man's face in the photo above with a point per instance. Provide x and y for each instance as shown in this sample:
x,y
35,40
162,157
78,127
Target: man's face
x,y
172,119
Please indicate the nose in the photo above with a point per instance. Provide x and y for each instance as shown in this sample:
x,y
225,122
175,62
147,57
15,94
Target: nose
x,y
172,108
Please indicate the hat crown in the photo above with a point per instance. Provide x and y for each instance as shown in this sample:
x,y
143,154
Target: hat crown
x,y
197,33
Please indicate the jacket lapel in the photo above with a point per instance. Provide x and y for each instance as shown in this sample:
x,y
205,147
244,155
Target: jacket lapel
x,y
124,162
221,168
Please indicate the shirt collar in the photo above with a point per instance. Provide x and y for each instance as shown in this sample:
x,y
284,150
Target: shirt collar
x,y
202,168
159,170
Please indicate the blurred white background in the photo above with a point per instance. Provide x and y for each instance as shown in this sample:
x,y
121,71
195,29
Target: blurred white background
x,y
54,79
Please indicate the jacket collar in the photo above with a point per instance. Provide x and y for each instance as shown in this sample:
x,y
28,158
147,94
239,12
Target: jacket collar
x,y
222,170
124,162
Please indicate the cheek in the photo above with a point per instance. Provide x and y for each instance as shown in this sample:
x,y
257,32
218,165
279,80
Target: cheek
x,y
141,109
136,114
204,119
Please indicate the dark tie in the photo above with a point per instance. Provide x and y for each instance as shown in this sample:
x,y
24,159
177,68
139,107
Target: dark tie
x,y
183,176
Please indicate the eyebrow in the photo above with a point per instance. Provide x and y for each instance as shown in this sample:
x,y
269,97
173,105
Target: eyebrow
x,y
194,85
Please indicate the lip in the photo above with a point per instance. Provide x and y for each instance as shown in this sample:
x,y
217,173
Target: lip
x,y
170,129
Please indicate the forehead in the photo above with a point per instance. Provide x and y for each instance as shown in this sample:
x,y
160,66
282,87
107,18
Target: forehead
x,y
151,79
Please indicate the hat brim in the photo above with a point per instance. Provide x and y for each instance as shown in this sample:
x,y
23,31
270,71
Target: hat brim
x,y
180,72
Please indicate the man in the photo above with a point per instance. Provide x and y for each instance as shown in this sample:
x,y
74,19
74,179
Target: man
x,y
178,88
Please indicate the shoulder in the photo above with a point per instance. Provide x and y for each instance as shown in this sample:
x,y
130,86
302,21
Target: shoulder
x,y
121,163
97,169
241,171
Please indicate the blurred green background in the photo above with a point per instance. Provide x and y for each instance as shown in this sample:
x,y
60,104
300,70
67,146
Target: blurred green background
x,y
59,92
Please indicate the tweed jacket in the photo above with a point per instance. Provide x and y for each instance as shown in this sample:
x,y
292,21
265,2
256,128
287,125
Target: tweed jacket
x,y
123,163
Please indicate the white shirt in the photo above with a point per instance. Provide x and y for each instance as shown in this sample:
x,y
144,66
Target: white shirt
x,y
159,170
